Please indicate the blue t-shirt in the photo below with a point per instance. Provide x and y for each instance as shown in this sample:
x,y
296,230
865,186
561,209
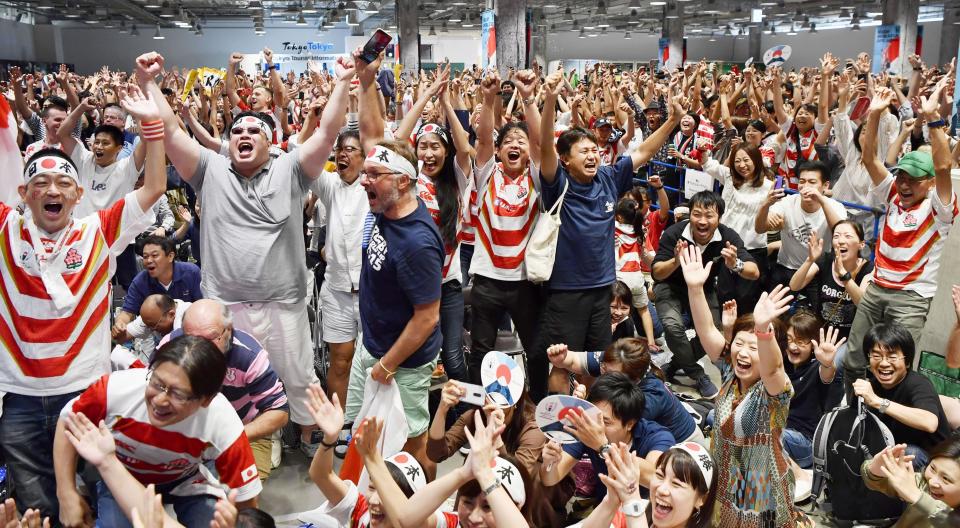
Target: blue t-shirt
x,y
585,253
401,269
647,436
660,405
184,286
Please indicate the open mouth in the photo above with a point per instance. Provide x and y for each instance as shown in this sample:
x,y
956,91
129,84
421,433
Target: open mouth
x,y
661,509
53,208
244,147
513,156
98,154
161,414
793,356
885,374
378,517
742,367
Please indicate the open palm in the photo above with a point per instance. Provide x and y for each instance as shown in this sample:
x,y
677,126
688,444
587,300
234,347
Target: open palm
x,y
140,105
327,414
95,444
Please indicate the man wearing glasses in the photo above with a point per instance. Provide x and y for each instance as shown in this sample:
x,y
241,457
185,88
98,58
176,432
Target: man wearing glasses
x,y
345,200
160,314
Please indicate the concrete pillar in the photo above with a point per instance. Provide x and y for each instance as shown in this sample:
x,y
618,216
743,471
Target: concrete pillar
x,y
409,28
949,34
903,13
538,40
511,27
756,47
673,31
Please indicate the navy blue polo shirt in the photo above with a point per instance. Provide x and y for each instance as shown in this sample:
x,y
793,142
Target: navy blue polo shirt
x,y
585,252
647,436
184,286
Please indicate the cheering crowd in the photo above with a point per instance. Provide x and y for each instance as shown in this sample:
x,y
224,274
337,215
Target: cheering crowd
x,y
437,215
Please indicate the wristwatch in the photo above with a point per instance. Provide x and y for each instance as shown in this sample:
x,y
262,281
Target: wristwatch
x,y
635,508
882,408
604,448
737,267
845,277
529,100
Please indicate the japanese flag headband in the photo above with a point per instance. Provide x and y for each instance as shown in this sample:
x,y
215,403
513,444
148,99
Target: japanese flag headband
x,y
249,120
701,457
433,128
511,480
410,468
383,156
50,165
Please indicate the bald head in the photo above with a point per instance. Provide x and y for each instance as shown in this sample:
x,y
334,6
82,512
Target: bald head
x,y
158,312
210,320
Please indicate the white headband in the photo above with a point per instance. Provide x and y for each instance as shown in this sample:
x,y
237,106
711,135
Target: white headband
x,y
410,468
249,120
699,455
383,156
50,165
511,480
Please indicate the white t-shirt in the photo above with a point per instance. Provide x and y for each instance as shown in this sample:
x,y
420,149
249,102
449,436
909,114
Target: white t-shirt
x,y
741,204
797,226
102,186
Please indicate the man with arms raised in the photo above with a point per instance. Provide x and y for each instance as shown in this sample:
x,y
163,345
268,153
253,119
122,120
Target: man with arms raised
x,y
54,324
256,263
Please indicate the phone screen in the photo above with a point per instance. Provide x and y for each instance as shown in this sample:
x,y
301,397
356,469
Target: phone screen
x,y
778,184
377,43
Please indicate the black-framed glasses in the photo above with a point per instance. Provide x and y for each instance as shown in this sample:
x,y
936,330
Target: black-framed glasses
x,y
880,358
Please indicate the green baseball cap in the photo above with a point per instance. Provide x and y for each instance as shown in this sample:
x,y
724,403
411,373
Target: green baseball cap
x,y
919,165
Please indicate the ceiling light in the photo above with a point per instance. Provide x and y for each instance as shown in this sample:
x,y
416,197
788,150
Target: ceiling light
x,y
254,5
467,22
658,3
603,23
301,21
45,5
433,32
351,21
575,26
134,32
308,8
592,34
153,4
582,34
627,36
813,27
455,18
371,9
856,27
157,35
550,5
443,28
588,28
635,4
601,8
567,15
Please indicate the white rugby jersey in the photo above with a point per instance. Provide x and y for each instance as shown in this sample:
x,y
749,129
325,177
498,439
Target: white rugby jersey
x,y
156,455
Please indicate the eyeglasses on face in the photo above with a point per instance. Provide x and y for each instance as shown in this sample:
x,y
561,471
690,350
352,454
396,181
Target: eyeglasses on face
x,y
176,396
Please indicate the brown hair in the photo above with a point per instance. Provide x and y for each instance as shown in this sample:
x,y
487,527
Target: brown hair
x,y
746,323
400,147
758,168
805,325
687,470
632,355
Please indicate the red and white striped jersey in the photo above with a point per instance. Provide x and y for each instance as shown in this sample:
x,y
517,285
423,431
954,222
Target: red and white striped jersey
x,y
508,210
156,455
470,213
427,191
910,245
628,248
804,152
44,350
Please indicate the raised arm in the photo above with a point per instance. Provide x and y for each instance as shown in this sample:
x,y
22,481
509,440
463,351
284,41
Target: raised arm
x,y
461,140
828,64
953,343
63,78
489,89
18,99
696,275
942,159
183,151
144,109
548,152
881,100
65,132
775,86
410,119
187,113
771,306
526,86
652,143
328,415
231,80
808,270
314,152
663,200
368,108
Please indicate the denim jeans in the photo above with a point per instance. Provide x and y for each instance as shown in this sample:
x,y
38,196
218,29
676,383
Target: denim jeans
x,y
466,255
798,446
673,307
193,511
27,428
451,329
920,457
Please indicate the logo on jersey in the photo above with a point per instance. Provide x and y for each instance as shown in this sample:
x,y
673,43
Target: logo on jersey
x,y
909,220
73,259
250,473
608,207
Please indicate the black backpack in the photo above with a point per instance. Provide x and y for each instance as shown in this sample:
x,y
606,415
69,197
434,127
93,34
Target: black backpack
x,y
845,438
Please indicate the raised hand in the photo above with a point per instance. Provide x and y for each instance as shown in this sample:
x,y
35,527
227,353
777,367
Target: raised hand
x,y
882,98
225,512
694,272
483,445
140,105
955,295
345,69
729,254
557,354
623,472
587,429
368,437
268,56
150,512
900,476
554,84
490,85
526,83
149,65
728,315
95,444
327,414
550,454
825,350
16,75
770,306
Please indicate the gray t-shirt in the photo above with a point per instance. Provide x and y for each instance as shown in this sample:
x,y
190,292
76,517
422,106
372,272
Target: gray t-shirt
x,y
252,244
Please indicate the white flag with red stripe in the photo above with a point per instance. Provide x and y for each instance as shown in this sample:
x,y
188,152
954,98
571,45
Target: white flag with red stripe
x,y
11,162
